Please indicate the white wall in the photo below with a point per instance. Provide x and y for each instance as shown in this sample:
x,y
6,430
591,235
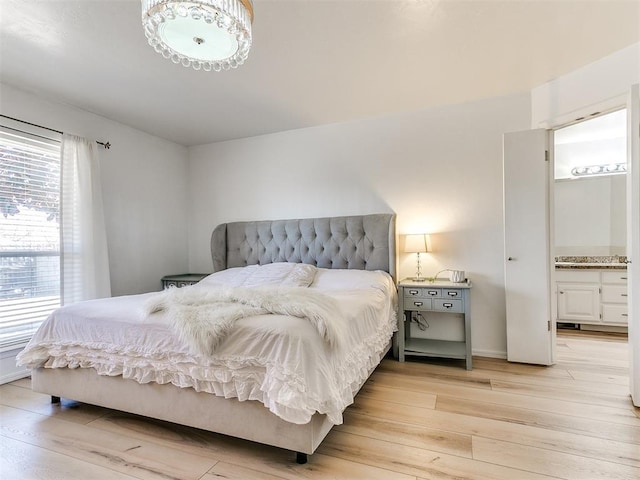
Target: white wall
x,y
597,87
440,170
144,184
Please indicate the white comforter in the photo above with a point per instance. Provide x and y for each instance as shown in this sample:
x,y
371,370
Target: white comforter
x,y
278,360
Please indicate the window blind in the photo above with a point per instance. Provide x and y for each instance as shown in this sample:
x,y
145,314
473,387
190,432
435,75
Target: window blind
x,y
30,233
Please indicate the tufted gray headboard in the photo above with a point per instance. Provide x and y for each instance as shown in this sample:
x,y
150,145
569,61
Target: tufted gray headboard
x,y
362,242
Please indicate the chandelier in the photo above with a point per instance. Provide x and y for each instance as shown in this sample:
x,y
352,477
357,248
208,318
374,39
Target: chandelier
x,y
203,34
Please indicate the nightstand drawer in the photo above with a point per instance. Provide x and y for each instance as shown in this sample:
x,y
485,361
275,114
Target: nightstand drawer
x,y
451,293
419,304
446,305
415,293
422,292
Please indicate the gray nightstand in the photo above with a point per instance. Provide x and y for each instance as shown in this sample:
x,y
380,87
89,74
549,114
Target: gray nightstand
x,y
182,280
439,296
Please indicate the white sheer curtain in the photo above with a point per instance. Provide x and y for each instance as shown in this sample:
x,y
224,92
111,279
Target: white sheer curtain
x,y
84,257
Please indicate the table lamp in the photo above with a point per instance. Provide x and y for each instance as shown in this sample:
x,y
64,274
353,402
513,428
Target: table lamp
x,y
417,243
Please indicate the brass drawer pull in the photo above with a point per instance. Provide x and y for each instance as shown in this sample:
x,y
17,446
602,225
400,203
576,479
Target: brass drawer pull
x,y
432,292
452,294
417,304
447,305
414,292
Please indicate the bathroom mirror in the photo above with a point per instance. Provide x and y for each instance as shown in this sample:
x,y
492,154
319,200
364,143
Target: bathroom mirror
x,y
590,160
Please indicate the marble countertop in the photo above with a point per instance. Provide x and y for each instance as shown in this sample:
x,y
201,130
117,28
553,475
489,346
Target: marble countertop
x,y
592,262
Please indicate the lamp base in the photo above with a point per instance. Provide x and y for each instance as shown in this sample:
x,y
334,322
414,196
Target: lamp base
x,y
418,279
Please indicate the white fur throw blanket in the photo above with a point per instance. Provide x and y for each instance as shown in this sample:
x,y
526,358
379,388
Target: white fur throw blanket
x,y
202,317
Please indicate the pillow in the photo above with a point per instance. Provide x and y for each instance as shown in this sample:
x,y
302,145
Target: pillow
x,y
343,279
285,274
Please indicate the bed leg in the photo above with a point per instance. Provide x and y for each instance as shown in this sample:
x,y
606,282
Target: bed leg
x,y
55,399
301,458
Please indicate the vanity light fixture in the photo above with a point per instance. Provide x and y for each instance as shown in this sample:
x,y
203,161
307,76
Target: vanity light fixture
x,y
417,243
203,34
609,169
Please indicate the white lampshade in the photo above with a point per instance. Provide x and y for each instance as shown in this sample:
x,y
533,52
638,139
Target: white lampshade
x,y
417,243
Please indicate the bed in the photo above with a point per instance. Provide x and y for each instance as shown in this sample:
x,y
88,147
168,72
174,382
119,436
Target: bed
x,y
244,383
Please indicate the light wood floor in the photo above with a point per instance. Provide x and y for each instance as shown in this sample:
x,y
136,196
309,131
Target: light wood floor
x,y
417,420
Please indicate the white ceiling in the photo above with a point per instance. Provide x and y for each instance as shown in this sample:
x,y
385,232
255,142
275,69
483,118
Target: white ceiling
x,y
313,62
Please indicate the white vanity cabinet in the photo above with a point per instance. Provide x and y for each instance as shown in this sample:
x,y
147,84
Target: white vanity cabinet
x,y
592,297
614,297
578,296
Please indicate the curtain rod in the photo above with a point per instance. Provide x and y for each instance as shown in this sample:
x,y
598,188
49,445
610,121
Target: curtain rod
x,y
106,145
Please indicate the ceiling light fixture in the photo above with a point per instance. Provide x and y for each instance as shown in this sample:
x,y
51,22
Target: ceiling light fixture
x,y
609,169
203,34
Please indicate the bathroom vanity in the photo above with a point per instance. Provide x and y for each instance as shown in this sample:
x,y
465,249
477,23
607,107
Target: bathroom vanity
x,y
592,291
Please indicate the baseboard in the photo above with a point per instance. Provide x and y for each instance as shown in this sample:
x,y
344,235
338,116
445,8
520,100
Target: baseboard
x,y
9,371
490,354
14,376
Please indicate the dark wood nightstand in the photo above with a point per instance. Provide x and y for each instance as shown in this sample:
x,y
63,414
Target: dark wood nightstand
x,y
182,280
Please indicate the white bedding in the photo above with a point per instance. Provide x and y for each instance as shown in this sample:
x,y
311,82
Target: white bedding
x,y
278,360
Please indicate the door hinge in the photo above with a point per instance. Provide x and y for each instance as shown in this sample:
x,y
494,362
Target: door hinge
x,y
548,325
546,155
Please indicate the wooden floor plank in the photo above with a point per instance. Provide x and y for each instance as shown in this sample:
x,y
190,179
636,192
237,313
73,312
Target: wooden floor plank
x,y
417,461
22,461
229,471
144,460
407,434
489,365
549,462
572,407
434,373
551,421
25,399
320,467
618,398
622,451
268,460
23,382
600,378
403,397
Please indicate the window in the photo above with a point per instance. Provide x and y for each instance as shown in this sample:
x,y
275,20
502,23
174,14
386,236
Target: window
x,y
30,232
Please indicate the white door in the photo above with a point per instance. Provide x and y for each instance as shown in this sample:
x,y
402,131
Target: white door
x,y
633,238
530,325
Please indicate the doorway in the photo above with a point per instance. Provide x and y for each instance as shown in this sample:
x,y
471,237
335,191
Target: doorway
x,y
590,223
